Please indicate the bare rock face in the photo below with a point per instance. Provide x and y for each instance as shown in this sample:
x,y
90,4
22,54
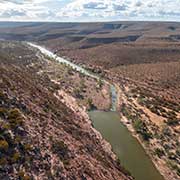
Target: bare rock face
x,y
43,137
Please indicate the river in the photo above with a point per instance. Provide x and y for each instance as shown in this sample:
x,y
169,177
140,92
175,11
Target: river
x,y
124,145
131,154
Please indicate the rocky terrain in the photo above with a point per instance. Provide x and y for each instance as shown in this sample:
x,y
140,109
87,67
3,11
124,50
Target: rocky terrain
x,y
88,92
148,52
141,58
154,121
149,105
42,125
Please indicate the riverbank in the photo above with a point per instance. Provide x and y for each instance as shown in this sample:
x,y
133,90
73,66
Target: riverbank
x,y
82,112
159,163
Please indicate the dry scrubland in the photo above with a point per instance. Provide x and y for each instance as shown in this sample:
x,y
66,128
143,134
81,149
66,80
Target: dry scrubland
x,y
141,58
142,51
40,136
88,92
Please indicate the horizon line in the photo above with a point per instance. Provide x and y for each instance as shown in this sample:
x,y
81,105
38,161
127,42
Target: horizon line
x,y
103,21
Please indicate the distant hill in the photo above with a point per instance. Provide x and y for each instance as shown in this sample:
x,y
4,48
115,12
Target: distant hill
x,y
107,32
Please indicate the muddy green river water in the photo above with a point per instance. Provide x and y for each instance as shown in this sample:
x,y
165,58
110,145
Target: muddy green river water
x,y
125,146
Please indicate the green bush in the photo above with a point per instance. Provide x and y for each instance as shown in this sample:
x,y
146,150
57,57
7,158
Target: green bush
x,y
61,149
14,114
100,83
91,104
4,145
15,157
173,122
178,152
127,112
1,94
138,125
166,131
3,112
159,152
77,93
141,128
15,118
3,161
174,167
4,126
171,155
28,147
23,176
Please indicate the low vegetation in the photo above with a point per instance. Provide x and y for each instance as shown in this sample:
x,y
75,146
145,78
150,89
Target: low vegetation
x,y
141,128
61,149
32,111
13,140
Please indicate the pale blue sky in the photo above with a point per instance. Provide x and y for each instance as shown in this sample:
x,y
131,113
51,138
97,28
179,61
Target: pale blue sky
x,y
89,10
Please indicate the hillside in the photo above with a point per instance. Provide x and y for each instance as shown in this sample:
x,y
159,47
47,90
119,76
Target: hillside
x,y
142,59
119,47
41,134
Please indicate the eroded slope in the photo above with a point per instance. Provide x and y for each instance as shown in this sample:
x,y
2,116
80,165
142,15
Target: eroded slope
x,y
41,137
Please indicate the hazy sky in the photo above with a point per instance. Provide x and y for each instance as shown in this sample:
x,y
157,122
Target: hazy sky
x,y
89,10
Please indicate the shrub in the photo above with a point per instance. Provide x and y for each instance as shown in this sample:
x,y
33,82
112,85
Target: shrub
x,y
155,110
173,122
1,94
3,112
166,131
100,83
26,177
16,157
14,114
159,152
3,161
60,148
23,176
171,155
17,139
178,171
15,118
178,152
77,93
146,135
90,104
28,147
171,114
4,145
82,85
138,125
174,167
141,128
5,126
127,112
